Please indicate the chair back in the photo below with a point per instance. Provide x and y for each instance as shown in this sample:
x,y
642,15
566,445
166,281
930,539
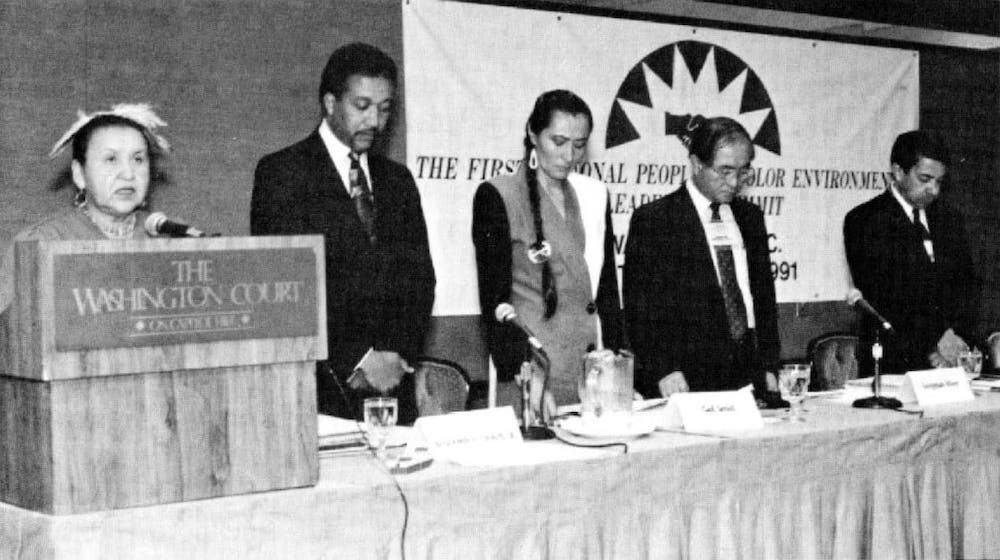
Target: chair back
x,y
994,351
834,360
441,386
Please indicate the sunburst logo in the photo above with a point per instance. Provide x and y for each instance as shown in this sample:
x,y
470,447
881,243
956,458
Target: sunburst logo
x,y
672,84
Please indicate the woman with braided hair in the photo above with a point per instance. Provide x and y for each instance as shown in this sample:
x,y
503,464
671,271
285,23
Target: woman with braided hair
x,y
544,243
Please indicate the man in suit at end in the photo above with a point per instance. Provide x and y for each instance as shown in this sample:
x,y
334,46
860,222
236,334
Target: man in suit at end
x,y
908,255
379,276
699,296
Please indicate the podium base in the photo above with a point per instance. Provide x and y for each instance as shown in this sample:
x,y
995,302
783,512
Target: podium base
x,y
536,432
877,402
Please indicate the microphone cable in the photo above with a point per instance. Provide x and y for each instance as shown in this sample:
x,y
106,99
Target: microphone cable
x,y
399,490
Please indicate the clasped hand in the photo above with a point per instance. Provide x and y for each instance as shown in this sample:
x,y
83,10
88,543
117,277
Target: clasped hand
x,y
948,349
381,370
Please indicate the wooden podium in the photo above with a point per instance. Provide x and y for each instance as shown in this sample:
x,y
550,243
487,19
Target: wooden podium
x,y
164,370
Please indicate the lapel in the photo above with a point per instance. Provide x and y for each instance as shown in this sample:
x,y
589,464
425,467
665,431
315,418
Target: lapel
x,y
697,250
906,232
330,189
326,180
564,244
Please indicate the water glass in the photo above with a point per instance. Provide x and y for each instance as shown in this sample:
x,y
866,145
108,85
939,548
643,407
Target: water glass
x,y
793,381
380,417
972,362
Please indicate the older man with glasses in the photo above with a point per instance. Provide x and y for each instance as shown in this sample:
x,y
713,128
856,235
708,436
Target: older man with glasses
x,y
698,292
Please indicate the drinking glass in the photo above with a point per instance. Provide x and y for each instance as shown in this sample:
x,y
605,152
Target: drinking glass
x,y
380,417
972,362
793,380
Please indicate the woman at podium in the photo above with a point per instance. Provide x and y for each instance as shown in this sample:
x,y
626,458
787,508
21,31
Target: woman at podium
x,y
544,244
114,155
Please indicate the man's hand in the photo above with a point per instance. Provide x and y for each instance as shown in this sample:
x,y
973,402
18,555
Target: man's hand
x,y
948,349
673,383
382,370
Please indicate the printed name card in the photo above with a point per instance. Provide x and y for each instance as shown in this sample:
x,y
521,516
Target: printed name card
x,y
936,386
461,433
713,411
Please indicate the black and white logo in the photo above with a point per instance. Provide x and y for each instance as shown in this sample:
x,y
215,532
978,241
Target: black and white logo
x,y
665,89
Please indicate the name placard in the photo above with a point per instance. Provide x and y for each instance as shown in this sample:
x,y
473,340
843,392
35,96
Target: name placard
x,y
713,411
133,299
459,433
936,386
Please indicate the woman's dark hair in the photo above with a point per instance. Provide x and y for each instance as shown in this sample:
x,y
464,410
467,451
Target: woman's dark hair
x,y
546,106
704,136
81,140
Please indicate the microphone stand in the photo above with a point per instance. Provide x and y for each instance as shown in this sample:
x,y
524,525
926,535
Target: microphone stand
x,y
877,400
532,426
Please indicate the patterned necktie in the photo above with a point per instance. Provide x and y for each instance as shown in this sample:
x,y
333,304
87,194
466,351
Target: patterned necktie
x,y
736,311
362,197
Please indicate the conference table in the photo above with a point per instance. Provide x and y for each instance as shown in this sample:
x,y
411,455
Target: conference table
x,y
847,483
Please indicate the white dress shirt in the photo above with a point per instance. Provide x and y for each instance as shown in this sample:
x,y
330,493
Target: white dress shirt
x,y
340,154
735,239
908,210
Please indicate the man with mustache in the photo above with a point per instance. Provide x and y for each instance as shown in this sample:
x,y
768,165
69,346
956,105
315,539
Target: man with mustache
x,y
379,275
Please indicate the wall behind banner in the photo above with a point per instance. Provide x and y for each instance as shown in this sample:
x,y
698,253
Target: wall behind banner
x,y
237,79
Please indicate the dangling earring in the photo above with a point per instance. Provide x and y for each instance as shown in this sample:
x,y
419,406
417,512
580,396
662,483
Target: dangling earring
x,y
533,159
80,200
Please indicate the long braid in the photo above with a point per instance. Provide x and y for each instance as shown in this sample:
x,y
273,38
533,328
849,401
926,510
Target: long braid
x,y
545,106
549,293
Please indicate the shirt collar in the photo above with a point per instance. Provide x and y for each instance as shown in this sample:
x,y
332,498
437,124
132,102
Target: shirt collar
x,y
701,202
339,152
907,207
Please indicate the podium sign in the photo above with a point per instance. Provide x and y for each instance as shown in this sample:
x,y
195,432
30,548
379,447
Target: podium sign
x,y
142,372
149,299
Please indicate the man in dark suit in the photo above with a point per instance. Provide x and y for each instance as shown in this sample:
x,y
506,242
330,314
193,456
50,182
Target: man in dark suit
x,y
908,255
379,276
698,292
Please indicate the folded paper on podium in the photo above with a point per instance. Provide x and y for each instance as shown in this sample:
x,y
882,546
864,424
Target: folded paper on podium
x,y
151,371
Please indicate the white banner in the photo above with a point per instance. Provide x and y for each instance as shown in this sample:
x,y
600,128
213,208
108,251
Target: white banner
x,y
823,116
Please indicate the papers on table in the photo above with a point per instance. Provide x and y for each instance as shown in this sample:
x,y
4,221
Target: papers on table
x,y
339,434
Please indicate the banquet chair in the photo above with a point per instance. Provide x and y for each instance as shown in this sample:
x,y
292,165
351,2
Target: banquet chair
x,y
834,360
994,351
441,386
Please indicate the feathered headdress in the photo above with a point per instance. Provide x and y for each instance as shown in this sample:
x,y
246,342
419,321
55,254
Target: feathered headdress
x,y
140,113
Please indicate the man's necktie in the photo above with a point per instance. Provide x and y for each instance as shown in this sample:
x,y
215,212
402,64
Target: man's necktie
x,y
736,311
362,197
925,235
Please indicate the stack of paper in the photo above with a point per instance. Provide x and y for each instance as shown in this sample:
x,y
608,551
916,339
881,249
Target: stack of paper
x,y
337,434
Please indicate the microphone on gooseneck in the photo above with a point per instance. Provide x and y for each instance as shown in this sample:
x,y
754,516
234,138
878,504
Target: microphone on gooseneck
x,y
505,313
158,224
855,299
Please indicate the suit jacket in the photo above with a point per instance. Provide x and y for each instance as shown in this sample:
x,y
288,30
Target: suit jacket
x,y
377,295
921,299
674,309
502,230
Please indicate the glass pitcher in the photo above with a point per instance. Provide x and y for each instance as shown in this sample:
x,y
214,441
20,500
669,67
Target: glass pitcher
x,y
606,384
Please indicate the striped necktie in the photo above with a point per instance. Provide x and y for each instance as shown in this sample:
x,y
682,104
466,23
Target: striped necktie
x,y
736,311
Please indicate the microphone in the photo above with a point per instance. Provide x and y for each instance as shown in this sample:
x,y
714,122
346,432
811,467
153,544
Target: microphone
x,y
505,313
158,224
855,299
